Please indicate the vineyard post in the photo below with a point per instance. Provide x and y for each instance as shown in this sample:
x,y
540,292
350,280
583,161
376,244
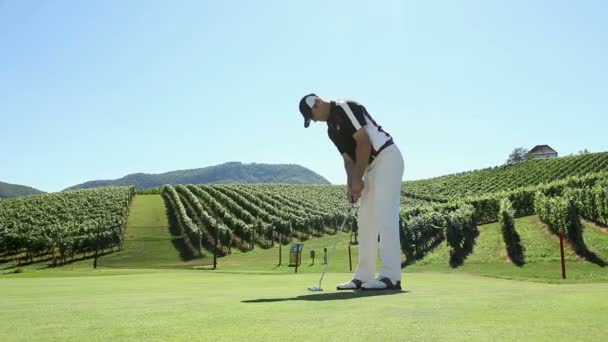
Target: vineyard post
x,y
200,242
215,251
280,250
350,261
121,238
561,247
297,259
96,250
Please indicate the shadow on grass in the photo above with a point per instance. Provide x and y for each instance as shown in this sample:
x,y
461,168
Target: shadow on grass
x,y
578,245
57,262
27,263
80,258
178,241
592,257
516,251
580,248
598,224
421,252
459,253
329,296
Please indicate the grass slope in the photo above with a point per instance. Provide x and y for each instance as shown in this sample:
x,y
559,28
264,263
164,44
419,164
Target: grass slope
x,y
148,244
489,258
542,256
148,241
596,239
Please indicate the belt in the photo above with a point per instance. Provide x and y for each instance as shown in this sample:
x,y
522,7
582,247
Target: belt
x,y
386,144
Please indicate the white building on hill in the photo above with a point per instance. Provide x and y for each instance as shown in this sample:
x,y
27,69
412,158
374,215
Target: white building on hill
x,y
542,152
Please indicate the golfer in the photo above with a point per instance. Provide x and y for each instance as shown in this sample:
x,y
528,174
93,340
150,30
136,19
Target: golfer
x,y
374,170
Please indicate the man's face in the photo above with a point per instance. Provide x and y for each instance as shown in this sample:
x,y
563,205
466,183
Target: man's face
x,y
315,112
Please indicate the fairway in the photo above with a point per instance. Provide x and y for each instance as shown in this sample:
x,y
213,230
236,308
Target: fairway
x,y
178,305
148,239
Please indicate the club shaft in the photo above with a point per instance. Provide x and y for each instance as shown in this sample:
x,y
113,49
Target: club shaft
x,y
333,249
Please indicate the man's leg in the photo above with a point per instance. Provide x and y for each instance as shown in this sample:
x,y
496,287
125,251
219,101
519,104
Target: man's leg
x,y
387,195
368,233
388,202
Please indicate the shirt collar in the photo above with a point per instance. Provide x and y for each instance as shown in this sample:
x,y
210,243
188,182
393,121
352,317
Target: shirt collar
x,y
332,111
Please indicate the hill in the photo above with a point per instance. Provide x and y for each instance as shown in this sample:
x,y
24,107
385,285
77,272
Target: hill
x,y
233,172
506,177
13,190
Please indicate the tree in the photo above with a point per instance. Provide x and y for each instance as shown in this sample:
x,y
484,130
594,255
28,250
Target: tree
x,y
519,154
585,151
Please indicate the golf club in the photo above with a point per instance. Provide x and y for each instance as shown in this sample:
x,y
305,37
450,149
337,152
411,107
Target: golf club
x,y
315,288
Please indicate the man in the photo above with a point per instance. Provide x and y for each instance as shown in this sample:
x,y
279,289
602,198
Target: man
x,y
374,170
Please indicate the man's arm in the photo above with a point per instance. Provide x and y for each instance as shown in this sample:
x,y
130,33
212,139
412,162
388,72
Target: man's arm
x,y
357,169
349,165
364,149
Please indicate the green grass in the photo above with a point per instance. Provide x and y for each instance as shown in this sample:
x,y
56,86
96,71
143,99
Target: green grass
x,y
267,260
174,305
148,244
148,241
136,295
542,255
489,257
542,258
596,239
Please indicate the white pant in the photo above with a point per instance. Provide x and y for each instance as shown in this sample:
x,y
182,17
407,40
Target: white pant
x,y
379,213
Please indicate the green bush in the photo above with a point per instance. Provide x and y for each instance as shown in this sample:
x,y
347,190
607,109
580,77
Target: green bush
x,y
509,233
506,220
592,203
487,207
561,215
421,234
461,232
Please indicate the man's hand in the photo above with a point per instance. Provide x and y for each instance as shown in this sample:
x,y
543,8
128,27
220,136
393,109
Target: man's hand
x,y
354,192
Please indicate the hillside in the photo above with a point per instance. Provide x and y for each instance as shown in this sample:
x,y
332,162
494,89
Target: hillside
x,y
148,243
506,177
58,226
13,190
233,172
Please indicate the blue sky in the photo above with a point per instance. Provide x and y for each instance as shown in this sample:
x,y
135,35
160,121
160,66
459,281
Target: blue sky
x,y
100,89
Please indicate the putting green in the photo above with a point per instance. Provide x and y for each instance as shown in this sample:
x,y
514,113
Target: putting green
x,y
163,305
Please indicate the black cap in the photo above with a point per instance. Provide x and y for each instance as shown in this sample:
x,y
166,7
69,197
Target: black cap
x,y
306,104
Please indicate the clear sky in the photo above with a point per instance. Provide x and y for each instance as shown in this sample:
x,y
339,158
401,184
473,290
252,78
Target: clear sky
x,y
100,89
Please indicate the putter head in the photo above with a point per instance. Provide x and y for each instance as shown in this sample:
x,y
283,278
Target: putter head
x,y
314,288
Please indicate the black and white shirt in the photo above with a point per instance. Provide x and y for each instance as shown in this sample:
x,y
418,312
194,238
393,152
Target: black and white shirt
x,y
345,119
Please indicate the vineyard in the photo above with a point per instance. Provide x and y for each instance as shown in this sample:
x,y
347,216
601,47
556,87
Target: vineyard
x,y
505,178
61,226
225,217
244,216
